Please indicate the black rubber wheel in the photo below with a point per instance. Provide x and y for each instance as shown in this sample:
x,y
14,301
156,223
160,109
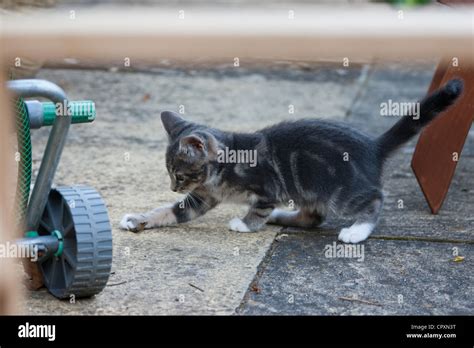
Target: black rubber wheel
x,y
83,267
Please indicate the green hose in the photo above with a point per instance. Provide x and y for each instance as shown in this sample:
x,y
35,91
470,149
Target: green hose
x,y
24,161
80,112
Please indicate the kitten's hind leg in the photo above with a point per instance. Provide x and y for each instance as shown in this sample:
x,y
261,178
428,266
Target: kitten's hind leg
x,y
365,223
298,218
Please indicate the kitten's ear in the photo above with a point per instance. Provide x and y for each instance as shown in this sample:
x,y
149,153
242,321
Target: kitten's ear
x,y
172,122
199,145
192,145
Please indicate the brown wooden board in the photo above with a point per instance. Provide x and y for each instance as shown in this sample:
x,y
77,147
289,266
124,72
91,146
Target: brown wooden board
x,y
434,161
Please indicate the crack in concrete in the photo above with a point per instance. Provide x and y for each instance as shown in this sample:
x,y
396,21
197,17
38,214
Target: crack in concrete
x,y
362,81
260,270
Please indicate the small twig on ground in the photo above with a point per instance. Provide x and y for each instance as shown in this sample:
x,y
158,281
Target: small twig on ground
x,y
115,284
361,301
195,287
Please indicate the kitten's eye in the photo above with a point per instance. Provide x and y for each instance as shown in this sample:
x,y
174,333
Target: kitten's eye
x,y
179,178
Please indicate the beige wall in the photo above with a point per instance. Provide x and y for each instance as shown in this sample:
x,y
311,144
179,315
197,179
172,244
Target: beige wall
x,y
9,280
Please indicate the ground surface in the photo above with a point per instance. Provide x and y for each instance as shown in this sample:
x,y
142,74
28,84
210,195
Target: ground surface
x,y
407,267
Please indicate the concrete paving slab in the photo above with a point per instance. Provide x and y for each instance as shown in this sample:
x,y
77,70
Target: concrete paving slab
x,y
406,213
404,201
393,277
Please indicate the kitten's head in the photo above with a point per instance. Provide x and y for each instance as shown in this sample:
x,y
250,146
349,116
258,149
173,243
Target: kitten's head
x,y
190,155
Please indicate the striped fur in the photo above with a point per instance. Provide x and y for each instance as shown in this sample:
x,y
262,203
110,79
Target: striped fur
x,y
317,166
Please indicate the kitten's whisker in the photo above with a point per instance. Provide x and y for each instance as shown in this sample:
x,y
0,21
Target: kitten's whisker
x,y
201,200
188,201
192,201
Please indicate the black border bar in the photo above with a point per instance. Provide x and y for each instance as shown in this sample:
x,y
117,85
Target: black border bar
x,y
139,330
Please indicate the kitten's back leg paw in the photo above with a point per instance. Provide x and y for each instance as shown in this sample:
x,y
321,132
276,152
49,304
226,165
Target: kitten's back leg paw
x,y
369,212
238,225
356,233
133,222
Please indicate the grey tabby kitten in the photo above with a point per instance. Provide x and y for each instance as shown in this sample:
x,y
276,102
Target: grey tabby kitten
x,y
319,165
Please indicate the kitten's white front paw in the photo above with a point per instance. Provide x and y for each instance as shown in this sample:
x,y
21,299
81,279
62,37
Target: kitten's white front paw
x,y
238,225
356,233
133,222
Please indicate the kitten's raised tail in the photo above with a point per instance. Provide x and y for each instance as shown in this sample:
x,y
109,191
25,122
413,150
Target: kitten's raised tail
x,y
430,107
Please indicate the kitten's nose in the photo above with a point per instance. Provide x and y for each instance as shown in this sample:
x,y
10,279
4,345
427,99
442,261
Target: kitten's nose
x,y
174,189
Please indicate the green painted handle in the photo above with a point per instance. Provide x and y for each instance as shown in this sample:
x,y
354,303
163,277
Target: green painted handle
x,y
81,111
